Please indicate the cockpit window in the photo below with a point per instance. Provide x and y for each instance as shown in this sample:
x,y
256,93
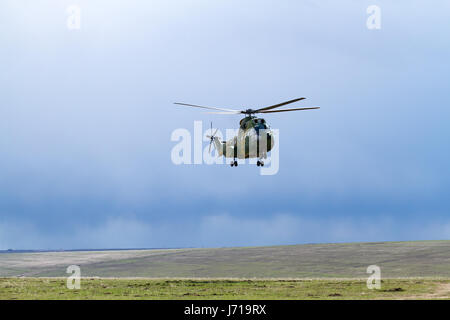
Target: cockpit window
x,y
260,124
248,123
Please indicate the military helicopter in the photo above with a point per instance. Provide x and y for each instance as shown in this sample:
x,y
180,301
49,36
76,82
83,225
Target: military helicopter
x,y
249,142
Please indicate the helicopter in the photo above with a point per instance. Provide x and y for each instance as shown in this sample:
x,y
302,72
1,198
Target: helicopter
x,y
254,138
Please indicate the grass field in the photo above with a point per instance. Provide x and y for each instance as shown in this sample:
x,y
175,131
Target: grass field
x,y
410,270
46,288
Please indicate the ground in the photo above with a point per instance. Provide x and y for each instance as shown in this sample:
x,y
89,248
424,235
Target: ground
x,y
52,288
344,260
409,270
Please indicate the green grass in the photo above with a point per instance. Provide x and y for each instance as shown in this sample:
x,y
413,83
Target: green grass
x,y
48,288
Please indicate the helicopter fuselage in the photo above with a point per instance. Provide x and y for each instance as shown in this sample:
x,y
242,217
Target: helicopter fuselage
x,y
254,140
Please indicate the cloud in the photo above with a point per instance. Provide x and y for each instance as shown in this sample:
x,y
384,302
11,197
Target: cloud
x,y
228,230
222,230
87,123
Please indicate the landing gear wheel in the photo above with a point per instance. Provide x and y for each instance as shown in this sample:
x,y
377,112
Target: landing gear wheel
x,y
260,163
235,163
232,163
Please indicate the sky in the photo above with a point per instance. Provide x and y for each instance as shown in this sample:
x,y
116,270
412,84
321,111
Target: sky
x,y
86,117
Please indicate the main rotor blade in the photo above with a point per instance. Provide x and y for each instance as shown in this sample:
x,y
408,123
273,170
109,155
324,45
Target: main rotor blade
x,y
280,104
297,109
226,112
203,107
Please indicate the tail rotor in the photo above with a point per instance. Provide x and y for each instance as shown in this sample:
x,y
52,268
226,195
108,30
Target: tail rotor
x,y
212,137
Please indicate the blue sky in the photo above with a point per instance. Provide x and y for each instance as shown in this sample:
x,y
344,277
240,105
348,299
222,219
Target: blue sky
x,y
86,117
